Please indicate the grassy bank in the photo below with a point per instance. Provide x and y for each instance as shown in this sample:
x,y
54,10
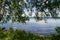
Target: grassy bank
x,y
22,35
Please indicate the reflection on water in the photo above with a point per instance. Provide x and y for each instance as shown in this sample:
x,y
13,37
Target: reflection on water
x,y
39,27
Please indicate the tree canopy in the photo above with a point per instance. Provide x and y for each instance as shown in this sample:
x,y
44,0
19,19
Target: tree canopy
x,y
13,10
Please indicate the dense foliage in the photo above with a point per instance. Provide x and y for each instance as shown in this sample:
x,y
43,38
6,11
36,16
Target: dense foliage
x,y
12,10
23,35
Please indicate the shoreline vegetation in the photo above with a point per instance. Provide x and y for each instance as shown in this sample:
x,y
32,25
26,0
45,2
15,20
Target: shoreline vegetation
x,y
12,34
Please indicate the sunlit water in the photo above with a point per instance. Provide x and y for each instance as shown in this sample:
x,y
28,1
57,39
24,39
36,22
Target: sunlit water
x,y
39,27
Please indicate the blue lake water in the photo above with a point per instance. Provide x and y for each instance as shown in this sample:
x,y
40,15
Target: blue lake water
x,y
39,27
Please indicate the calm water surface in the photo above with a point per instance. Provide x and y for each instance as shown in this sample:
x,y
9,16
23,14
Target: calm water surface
x,y
39,27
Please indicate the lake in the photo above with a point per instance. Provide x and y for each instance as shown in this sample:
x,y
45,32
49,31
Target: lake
x,y
39,27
